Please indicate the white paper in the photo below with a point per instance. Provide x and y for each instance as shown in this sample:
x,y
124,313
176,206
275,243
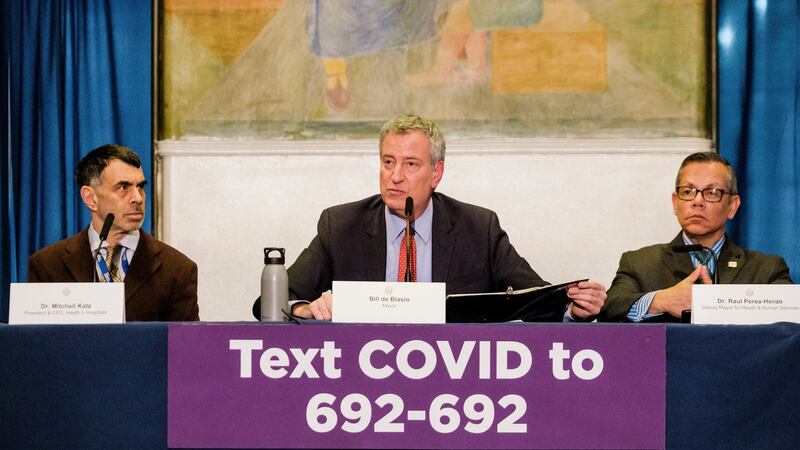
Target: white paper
x,y
388,302
745,303
66,303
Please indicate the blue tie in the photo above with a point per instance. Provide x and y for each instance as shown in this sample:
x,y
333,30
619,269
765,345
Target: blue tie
x,y
703,258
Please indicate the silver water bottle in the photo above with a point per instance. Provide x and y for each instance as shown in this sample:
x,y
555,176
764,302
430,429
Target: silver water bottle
x,y
274,286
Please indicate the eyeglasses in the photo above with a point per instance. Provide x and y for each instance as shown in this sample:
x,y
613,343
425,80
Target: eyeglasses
x,y
711,195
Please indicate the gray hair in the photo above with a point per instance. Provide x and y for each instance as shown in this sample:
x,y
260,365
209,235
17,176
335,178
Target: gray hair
x,y
411,122
710,157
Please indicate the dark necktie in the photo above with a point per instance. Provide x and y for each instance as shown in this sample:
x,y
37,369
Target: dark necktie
x,y
703,258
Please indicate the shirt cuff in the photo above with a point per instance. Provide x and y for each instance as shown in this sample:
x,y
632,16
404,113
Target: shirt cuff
x,y
568,317
293,303
638,311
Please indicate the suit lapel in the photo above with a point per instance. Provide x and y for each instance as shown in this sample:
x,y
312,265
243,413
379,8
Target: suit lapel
x,y
376,243
678,264
443,240
731,261
144,264
78,257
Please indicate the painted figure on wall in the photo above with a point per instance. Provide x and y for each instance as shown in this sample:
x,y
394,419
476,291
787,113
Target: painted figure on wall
x,y
461,51
340,29
335,69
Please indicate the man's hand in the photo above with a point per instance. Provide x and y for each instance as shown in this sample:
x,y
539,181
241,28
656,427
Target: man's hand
x,y
678,298
587,299
319,309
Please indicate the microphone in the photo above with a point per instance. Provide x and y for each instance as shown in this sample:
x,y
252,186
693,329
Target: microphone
x,y
687,248
409,214
699,248
106,227
686,315
103,235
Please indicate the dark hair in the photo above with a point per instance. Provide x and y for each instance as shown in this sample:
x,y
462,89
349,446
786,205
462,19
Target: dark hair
x,y
93,164
710,157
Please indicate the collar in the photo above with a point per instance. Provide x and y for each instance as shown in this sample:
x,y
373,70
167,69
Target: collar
x,y
130,240
423,226
716,248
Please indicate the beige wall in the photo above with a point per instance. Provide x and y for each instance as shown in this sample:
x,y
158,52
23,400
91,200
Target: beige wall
x,y
570,207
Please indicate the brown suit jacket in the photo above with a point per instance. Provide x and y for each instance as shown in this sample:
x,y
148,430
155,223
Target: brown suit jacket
x,y
658,267
160,285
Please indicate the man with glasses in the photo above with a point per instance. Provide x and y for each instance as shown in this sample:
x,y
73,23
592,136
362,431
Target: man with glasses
x,y
655,283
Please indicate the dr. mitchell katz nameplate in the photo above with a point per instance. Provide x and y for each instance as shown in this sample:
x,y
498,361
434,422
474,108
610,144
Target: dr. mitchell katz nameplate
x,y
66,303
388,302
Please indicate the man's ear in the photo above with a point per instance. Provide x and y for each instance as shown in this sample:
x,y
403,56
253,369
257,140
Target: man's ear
x,y
438,173
89,197
736,202
675,203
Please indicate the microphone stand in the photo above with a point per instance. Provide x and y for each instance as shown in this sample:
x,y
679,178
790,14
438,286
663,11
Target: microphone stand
x,y
109,220
716,264
409,210
686,314
94,262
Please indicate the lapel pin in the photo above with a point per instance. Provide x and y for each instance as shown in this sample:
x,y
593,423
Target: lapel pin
x,y
732,264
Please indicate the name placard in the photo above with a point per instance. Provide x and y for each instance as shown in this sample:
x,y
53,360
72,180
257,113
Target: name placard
x,y
388,302
66,303
416,386
745,303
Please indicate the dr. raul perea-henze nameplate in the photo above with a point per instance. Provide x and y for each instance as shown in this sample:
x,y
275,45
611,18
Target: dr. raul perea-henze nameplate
x,y
66,303
745,303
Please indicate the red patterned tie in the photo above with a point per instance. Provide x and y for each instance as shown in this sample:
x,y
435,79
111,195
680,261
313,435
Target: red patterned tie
x,y
401,268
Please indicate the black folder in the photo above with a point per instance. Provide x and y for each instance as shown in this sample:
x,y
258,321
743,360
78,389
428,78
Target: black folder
x,y
535,304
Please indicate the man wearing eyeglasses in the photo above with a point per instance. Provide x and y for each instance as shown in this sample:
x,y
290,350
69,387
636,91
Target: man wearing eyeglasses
x,y
655,283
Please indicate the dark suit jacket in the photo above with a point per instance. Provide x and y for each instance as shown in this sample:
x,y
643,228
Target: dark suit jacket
x,y
471,253
658,267
161,282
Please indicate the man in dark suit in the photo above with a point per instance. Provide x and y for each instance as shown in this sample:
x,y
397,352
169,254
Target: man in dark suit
x,y
655,283
456,243
160,282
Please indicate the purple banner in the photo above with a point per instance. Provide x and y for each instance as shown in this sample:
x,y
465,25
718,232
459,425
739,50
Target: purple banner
x,y
416,386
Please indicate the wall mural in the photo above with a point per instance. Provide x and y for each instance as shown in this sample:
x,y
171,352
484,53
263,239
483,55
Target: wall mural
x,y
337,69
